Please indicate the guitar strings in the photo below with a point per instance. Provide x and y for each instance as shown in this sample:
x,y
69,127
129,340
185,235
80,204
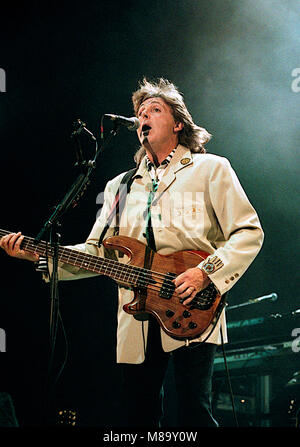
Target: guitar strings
x,y
67,255
138,275
74,254
142,275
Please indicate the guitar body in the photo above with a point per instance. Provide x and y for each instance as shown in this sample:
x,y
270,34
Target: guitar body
x,y
150,275
156,295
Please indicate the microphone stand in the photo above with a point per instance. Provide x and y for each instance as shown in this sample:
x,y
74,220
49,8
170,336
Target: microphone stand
x,y
71,199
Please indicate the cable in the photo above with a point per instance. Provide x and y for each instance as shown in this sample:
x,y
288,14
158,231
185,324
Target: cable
x,y
53,377
66,350
228,379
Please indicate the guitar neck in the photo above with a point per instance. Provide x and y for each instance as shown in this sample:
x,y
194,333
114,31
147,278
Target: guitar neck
x,y
121,273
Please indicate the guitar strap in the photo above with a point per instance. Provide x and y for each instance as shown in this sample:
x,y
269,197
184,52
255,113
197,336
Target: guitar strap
x,y
118,204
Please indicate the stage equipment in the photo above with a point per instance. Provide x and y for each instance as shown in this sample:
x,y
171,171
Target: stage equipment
x,y
261,356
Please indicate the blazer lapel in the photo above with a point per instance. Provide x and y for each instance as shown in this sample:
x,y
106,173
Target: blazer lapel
x,y
181,159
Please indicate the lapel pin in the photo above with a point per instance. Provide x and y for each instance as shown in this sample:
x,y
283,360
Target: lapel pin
x,y
185,161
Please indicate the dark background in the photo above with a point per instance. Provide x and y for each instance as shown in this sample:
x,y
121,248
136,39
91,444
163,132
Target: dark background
x,y
67,60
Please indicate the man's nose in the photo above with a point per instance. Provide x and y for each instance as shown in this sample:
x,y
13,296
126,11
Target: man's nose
x,y
145,114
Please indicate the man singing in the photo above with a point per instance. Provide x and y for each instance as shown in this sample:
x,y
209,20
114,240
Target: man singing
x,y
181,198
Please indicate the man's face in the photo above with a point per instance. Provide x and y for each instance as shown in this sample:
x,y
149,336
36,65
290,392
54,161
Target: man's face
x,y
157,125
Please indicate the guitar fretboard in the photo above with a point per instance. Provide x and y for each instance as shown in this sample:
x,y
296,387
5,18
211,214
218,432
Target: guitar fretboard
x,y
122,273
160,283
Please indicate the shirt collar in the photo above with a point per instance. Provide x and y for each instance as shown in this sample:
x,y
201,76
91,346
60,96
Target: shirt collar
x,y
164,163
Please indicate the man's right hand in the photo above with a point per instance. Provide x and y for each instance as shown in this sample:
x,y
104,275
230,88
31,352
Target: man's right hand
x,y
11,243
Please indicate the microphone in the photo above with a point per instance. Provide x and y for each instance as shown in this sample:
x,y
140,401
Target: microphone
x,y
131,123
272,296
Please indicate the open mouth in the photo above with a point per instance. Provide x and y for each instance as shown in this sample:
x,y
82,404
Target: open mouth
x,y
145,129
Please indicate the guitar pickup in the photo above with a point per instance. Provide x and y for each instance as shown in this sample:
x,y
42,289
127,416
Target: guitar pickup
x,y
167,289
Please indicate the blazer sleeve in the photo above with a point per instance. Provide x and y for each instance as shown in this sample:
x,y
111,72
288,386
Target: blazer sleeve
x,y
240,235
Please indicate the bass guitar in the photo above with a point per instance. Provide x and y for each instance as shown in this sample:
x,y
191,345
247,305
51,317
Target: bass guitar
x,y
150,275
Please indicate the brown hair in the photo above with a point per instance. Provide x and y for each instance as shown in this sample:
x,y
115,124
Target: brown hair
x,y
191,136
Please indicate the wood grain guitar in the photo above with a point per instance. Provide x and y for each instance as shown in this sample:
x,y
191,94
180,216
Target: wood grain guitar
x,y
149,275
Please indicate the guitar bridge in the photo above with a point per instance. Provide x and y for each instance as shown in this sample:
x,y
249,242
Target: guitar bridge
x,y
205,298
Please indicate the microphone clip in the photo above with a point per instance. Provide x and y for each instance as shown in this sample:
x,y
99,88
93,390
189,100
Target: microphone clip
x,y
79,126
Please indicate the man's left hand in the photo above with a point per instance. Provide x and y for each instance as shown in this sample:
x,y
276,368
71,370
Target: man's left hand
x,y
189,283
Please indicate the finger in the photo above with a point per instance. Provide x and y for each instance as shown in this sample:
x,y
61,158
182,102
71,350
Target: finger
x,y
187,292
12,241
18,242
180,279
182,288
14,246
5,241
188,300
177,281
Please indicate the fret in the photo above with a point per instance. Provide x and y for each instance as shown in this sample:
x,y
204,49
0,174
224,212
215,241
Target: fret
x,y
80,261
121,273
105,269
118,271
100,267
131,277
65,257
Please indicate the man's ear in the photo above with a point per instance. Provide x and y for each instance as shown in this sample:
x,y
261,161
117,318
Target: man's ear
x,y
178,127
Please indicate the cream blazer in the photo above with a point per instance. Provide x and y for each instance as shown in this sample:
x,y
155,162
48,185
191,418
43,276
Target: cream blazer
x,y
199,205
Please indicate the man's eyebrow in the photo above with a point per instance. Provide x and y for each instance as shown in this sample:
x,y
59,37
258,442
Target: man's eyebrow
x,y
151,102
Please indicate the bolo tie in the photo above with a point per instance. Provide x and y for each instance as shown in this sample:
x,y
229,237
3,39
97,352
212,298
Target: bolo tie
x,y
149,234
149,230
